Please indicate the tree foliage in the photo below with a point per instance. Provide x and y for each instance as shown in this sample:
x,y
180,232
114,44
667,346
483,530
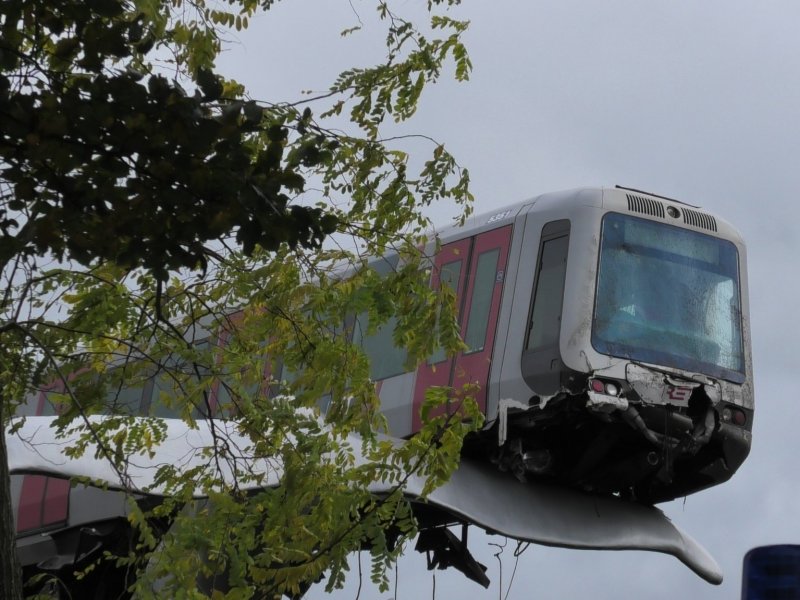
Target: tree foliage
x,y
144,210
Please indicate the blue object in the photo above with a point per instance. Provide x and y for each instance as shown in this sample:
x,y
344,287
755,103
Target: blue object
x,y
772,573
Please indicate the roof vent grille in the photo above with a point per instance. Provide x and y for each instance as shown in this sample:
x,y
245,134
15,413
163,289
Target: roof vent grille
x,y
698,219
647,206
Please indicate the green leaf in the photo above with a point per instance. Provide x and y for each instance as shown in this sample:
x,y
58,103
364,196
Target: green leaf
x,y
209,84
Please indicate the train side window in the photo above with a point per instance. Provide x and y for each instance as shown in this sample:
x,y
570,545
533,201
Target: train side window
x,y
449,275
53,401
202,371
545,321
386,359
169,383
124,398
481,301
29,407
166,383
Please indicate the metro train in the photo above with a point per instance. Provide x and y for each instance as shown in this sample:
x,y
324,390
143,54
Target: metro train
x,y
606,332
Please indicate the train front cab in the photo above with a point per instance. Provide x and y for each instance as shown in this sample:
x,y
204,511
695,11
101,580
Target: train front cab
x,y
622,361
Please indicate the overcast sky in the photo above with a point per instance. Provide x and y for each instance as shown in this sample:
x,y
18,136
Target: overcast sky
x,y
694,100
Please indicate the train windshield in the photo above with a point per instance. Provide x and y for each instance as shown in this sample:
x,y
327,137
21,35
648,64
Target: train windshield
x,y
668,296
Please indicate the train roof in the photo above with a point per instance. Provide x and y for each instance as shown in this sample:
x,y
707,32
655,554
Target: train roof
x,y
611,198
506,214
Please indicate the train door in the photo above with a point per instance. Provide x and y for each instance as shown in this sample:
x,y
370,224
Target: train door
x,y
43,501
475,269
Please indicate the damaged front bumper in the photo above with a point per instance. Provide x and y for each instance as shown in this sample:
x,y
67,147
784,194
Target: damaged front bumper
x,y
632,430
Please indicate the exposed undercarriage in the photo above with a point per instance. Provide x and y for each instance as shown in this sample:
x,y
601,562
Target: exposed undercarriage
x,y
618,445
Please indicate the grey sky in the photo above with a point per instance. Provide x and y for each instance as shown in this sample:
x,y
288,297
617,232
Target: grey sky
x,y
694,100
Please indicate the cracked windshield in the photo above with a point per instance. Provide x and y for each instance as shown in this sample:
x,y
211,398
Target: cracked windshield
x,y
668,296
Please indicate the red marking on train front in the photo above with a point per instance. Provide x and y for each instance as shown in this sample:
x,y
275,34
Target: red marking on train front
x,y
679,394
